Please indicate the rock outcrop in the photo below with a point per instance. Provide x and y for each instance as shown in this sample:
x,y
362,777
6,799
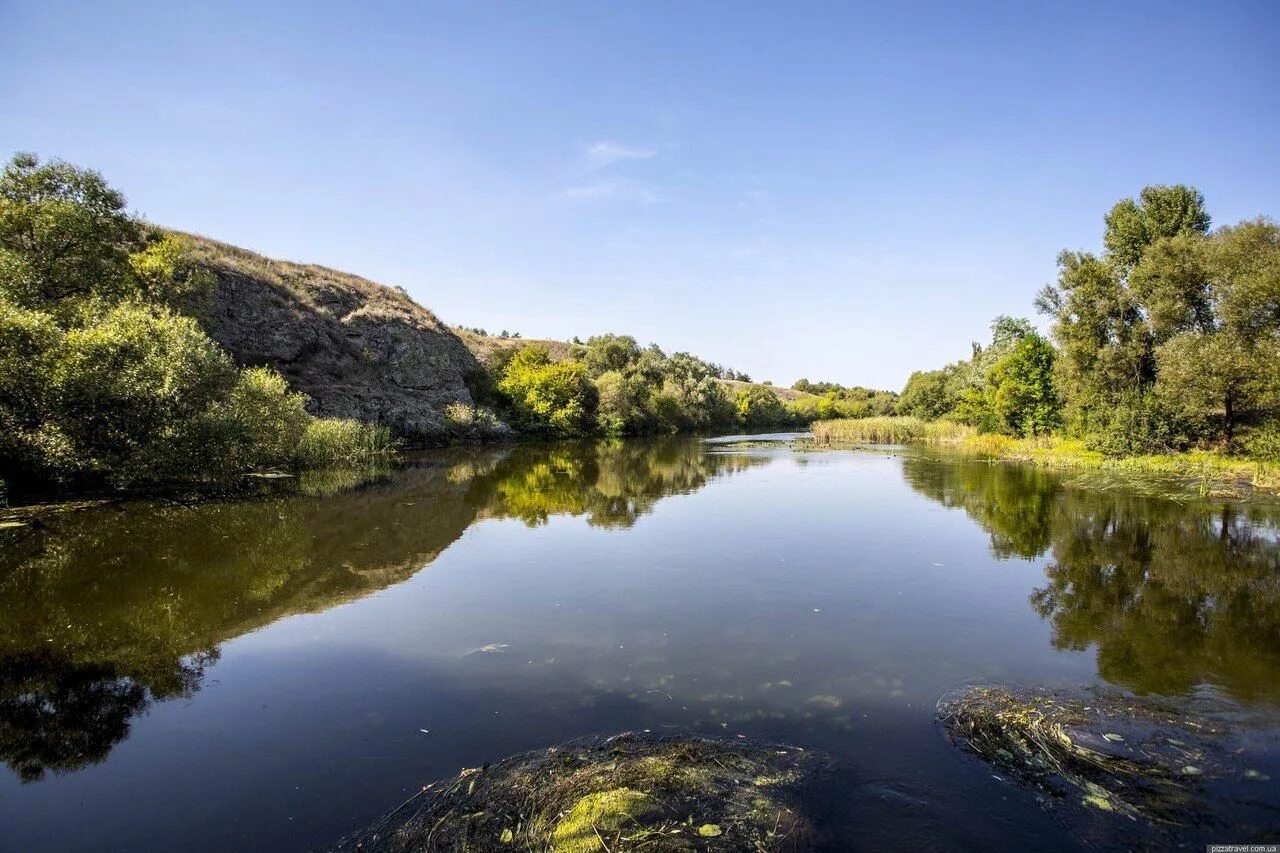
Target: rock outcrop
x,y
358,349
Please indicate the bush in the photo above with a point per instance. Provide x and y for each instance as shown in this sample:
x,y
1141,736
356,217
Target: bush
x,y
1264,443
473,422
549,398
265,422
760,407
136,396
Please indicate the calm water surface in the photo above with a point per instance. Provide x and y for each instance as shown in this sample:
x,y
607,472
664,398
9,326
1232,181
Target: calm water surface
x,y
259,675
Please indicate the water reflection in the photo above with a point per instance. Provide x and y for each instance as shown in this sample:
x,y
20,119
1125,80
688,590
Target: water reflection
x,y
104,611
1172,594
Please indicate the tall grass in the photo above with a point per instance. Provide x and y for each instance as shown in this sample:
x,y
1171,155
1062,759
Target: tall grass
x,y
890,430
1204,472
334,442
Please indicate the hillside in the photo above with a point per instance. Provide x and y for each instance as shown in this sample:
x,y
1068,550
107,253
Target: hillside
x,y
483,346
357,348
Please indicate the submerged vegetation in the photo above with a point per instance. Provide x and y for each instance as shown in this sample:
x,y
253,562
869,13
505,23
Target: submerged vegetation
x,y
628,792
1163,765
106,379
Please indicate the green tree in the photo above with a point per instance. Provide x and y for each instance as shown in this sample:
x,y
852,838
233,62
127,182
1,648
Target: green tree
x,y
63,233
1111,312
1220,377
927,395
624,403
546,397
610,352
758,406
1022,391
1159,211
103,380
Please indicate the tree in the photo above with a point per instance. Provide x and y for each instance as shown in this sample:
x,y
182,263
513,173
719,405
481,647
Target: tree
x,y
927,395
1111,312
1159,211
551,398
63,232
624,407
758,406
1220,376
1022,391
610,352
103,380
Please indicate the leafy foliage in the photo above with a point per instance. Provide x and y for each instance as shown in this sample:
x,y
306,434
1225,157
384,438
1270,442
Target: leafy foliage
x,y
548,397
1169,338
104,381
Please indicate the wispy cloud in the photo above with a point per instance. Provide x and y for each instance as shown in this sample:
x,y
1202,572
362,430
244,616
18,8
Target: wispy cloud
x,y
617,189
606,153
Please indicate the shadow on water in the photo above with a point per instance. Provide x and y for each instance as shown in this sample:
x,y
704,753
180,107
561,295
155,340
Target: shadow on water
x,y
106,610
1173,595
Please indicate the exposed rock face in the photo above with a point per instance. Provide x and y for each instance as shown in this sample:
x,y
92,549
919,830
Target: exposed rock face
x,y
358,349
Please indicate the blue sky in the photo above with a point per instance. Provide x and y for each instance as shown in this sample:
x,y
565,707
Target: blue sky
x,y
845,191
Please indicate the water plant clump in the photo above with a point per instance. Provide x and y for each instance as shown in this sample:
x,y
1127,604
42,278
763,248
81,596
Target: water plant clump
x,y
622,793
1161,764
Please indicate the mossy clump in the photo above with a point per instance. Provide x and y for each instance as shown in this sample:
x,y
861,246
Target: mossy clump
x,y
1158,763
628,792
600,815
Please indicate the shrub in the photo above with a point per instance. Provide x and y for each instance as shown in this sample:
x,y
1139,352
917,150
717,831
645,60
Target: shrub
x,y
759,406
265,421
1264,443
136,395
550,398
473,422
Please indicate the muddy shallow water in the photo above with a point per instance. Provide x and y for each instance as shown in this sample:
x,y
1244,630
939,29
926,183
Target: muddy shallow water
x,y
274,674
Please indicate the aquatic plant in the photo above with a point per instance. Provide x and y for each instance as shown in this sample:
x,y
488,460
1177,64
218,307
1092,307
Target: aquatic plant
x,y
628,792
1152,761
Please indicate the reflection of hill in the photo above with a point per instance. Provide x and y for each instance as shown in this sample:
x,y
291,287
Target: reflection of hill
x,y
104,610
1173,595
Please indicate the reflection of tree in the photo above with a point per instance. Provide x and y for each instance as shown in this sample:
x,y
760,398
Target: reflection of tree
x,y
1012,503
613,483
1172,595
105,610
57,716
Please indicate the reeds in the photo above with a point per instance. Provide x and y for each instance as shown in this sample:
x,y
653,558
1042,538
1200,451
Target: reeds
x,y
891,430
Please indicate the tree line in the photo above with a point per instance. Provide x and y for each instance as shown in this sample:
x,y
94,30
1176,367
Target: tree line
x,y
1167,339
611,385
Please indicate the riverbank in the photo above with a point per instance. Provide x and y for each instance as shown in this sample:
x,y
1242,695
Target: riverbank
x,y
1199,473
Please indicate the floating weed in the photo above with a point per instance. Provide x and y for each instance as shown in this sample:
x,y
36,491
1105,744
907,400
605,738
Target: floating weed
x,y
1114,752
625,793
